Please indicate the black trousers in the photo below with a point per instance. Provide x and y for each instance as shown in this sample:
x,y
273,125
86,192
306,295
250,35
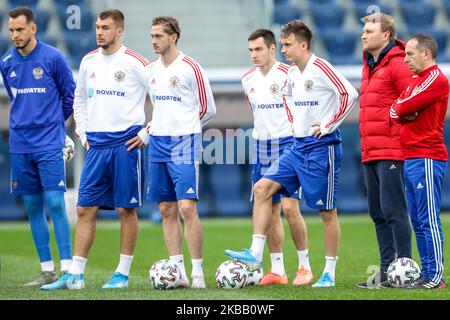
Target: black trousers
x,y
387,208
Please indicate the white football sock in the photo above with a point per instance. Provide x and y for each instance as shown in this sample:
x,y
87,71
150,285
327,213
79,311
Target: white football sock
x,y
124,264
78,265
257,247
47,266
277,263
330,266
303,259
197,267
65,265
179,261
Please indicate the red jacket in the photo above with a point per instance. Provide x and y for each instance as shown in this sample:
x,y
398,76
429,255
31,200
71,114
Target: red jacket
x,y
427,94
379,89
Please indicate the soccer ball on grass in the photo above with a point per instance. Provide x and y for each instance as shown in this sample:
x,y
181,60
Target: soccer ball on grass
x,y
231,275
403,272
164,275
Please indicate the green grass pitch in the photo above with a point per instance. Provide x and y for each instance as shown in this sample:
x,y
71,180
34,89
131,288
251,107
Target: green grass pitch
x,y
357,258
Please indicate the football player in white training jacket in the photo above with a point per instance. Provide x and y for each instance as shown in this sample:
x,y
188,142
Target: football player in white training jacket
x,y
183,103
273,134
109,115
321,99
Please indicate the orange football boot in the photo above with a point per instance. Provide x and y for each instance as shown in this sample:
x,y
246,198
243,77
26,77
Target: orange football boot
x,y
303,277
273,278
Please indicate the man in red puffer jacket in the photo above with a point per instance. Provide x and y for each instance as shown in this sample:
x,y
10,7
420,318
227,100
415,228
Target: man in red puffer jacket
x,y
385,75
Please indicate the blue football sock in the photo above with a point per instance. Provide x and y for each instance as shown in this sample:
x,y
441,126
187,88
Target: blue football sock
x,y
34,206
57,208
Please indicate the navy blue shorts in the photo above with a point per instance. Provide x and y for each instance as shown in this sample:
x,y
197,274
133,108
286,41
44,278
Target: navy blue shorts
x,y
169,182
315,170
34,173
112,178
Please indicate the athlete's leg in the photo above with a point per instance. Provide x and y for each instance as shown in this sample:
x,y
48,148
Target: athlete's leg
x,y
57,207
34,207
297,225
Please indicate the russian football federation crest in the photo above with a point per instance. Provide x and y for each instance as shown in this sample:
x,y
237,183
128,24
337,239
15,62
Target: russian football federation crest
x,y
309,85
38,72
174,81
274,88
119,76
13,185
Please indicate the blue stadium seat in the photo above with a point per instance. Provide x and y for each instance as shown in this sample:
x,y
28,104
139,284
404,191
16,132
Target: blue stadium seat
x,y
205,203
28,3
62,5
86,22
5,43
314,2
42,19
3,14
11,206
446,4
79,44
418,17
286,12
412,2
227,185
351,194
446,184
328,16
441,38
363,9
48,39
341,46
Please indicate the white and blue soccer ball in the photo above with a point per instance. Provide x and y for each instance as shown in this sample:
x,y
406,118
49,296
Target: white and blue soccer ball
x,y
403,272
69,149
254,276
231,275
164,275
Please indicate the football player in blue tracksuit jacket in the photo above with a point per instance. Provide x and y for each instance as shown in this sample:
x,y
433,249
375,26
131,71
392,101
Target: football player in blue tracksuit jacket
x,y
41,87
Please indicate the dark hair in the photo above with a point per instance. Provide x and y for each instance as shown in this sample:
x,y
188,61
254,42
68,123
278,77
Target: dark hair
x,y
299,29
267,35
116,15
426,42
22,11
170,25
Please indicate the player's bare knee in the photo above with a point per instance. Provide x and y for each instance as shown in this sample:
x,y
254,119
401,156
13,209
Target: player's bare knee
x,y
291,212
188,210
85,213
168,210
328,216
261,191
126,213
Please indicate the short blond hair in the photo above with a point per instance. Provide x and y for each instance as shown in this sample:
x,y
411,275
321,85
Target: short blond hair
x,y
387,23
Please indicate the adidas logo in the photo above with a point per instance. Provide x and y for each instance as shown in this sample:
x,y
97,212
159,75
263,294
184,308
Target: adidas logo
x,y
153,81
133,200
190,191
319,203
253,90
420,186
13,74
392,167
92,75
61,184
